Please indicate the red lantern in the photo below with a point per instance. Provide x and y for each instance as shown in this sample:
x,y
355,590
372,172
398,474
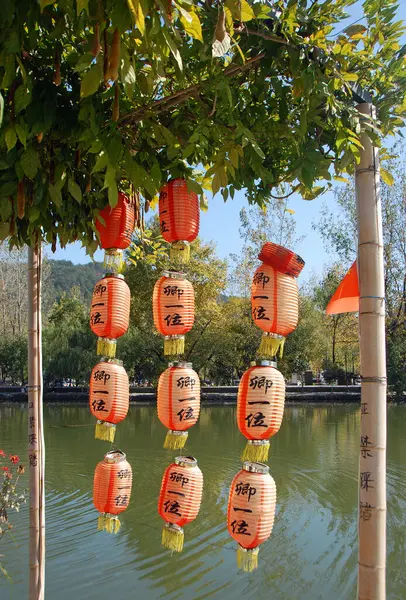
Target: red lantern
x,y
275,307
178,400
260,406
282,259
116,231
110,312
179,499
251,512
109,395
173,306
112,489
179,217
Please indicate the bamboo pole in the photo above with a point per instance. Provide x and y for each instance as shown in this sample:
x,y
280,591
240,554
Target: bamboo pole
x,y
372,472
35,430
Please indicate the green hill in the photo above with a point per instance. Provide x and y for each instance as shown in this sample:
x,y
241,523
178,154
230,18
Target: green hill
x,y
65,275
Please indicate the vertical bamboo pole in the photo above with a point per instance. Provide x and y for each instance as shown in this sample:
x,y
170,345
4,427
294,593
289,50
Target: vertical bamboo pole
x,y
35,432
372,476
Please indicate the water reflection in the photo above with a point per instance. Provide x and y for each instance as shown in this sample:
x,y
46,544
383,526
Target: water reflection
x,y
312,550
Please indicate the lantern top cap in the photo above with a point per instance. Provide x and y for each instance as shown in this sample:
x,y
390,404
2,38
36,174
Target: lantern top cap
x,y
180,364
253,467
116,275
282,259
264,363
112,361
186,461
173,274
114,456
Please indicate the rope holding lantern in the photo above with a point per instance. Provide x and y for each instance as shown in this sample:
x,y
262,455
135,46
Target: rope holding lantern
x,y
110,312
251,512
178,402
173,304
108,397
275,297
179,499
112,489
260,406
115,227
179,217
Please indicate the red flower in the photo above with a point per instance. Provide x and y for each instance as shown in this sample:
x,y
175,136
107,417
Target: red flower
x,y
2,453
5,468
14,459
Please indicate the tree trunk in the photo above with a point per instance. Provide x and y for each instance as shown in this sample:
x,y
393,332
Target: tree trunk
x,y
35,430
372,489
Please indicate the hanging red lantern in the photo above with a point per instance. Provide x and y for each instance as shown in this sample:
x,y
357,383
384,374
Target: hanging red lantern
x,y
173,306
178,401
275,307
260,406
109,396
251,512
112,489
179,499
179,217
282,259
116,231
110,312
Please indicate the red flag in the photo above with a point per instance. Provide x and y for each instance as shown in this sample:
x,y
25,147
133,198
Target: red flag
x,y
346,296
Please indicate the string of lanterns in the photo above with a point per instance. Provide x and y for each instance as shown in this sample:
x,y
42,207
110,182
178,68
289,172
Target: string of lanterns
x,y
261,401
109,391
178,392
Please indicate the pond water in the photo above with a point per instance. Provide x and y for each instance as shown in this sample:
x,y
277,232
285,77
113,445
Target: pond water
x,y
311,554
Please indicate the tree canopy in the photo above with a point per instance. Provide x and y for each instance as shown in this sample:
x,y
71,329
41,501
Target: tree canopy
x,y
101,95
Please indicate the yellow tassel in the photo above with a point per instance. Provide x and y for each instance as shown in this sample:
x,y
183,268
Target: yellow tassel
x,y
172,538
109,523
175,440
114,261
106,347
174,345
105,431
255,452
247,560
270,345
180,252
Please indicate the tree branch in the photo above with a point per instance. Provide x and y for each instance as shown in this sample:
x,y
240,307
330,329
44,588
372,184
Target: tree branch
x,y
182,96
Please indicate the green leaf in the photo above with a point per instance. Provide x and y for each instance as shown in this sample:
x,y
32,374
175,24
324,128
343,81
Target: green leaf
x,y
55,194
82,5
204,203
137,14
247,14
111,185
128,75
22,98
350,76
173,48
30,162
11,138
91,81
387,177
101,162
22,134
343,179
191,23
74,190
4,233
354,29
1,109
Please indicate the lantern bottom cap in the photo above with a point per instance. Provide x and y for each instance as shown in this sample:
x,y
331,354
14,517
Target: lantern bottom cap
x,y
175,440
256,451
180,252
113,260
109,523
174,345
172,537
270,345
105,431
106,347
247,559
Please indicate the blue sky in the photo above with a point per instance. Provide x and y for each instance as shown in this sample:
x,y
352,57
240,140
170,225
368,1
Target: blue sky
x,y
221,222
